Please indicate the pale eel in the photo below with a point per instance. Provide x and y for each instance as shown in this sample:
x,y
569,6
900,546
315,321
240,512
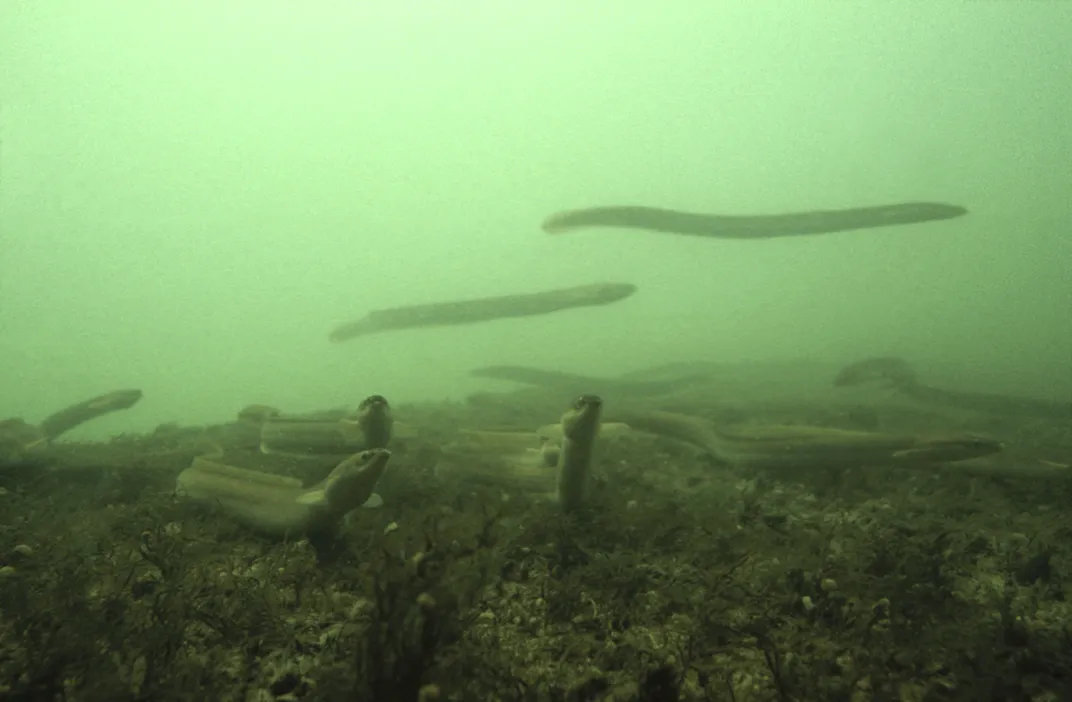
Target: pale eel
x,y
298,436
750,226
509,460
482,309
553,462
278,505
803,447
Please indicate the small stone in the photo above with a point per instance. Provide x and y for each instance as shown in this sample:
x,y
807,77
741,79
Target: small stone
x,y
828,585
806,602
7,572
23,550
390,528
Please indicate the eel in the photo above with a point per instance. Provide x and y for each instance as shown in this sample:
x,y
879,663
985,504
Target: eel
x,y
370,428
20,440
580,426
257,414
788,446
889,370
552,462
278,505
66,419
508,460
570,382
897,373
750,226
482,309
678,370
472,444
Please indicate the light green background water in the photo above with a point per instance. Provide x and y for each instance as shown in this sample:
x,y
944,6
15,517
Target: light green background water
x,y
193,194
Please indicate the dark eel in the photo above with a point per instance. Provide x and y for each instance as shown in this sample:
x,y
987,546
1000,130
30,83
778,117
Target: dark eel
x,y
750,226
892,371
580,426
66,419
482,309
899,375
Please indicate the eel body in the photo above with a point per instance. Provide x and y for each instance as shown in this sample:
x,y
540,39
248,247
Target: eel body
x,y
580,426
257,414
890,370
750,226
811,447
278,505
897,373
519,461
992,403
552,462
66,419
571,382
370,428
20,440
482,309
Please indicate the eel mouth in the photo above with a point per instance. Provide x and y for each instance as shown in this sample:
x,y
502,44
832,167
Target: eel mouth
x,y
582,418
585,402
371,459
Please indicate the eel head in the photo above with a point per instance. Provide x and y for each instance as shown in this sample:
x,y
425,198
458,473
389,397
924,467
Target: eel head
x,y
351,483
